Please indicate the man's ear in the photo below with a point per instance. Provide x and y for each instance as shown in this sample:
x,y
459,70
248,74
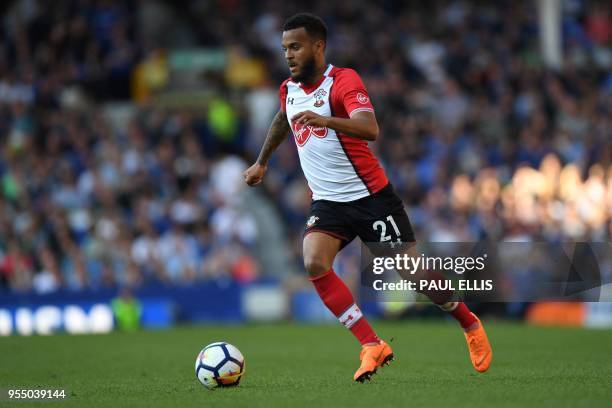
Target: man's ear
x,y
320,45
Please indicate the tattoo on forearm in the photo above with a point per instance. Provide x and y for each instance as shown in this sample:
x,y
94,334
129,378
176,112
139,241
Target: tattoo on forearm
x,y
276,134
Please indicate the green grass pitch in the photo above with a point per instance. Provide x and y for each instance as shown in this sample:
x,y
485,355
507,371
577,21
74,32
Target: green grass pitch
x,y
312,366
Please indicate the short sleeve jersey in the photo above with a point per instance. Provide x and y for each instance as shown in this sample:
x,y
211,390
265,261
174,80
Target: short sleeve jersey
x,y
337,167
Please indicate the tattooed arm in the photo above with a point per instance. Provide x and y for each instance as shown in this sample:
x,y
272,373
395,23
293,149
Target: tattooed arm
x,y
276,134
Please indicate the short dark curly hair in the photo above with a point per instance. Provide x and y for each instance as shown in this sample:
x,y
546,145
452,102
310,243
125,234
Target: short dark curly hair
x,y
314,25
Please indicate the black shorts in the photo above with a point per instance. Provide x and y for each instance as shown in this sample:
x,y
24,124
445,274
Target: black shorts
x,y
377,218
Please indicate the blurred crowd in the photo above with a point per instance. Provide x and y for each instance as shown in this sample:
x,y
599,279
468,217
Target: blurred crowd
x,y
86,206
479,138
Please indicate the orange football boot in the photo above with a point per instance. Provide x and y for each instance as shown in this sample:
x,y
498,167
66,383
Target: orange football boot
x,y
372,357
479,346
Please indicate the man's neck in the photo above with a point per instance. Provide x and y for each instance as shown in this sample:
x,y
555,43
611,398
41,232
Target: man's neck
x,y
316,76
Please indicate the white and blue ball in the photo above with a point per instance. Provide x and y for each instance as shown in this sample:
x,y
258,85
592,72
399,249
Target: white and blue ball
x,y
219,365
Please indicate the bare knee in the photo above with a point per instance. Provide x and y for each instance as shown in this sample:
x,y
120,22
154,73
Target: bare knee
x,y
319,253
316,265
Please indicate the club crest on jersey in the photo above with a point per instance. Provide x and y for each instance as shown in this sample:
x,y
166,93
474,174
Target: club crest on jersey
x,y
319,95
311,221
302,133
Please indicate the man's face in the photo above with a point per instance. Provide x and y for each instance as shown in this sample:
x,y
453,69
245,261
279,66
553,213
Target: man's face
x,y
300,50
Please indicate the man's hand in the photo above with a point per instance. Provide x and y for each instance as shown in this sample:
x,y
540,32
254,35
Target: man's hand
x,y
254,174
309,118
361,125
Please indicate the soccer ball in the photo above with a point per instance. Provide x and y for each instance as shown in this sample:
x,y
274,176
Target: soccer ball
x,y
219,365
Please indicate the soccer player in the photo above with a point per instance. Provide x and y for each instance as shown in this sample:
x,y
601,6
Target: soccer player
x,y
332,119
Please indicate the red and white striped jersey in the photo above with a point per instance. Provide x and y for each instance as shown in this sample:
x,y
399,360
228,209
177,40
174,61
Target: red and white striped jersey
x,y
337,167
